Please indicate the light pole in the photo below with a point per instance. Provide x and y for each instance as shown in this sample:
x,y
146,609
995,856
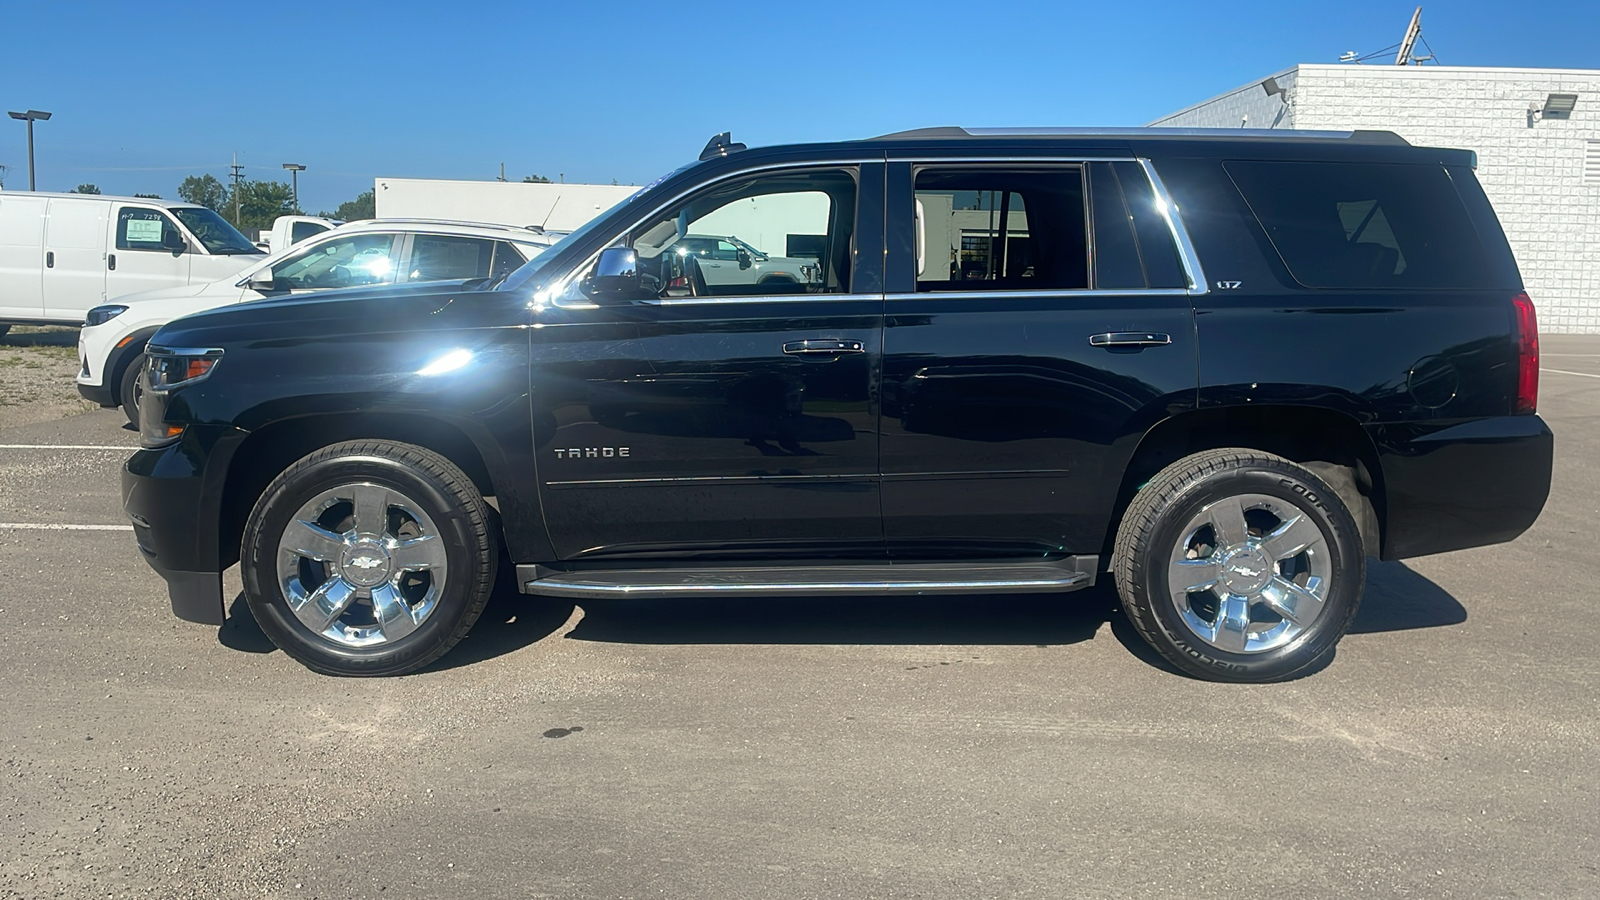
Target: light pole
x,y
294,177
31,116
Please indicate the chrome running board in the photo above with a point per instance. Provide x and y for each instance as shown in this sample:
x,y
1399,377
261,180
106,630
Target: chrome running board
x,y
1032,576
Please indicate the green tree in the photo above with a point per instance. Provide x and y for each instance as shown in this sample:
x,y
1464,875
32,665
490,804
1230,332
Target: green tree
x,y
86,189
260,202
206,191
148,196
364,206
535,179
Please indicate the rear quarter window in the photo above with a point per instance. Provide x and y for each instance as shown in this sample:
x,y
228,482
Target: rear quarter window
x,y
1364,225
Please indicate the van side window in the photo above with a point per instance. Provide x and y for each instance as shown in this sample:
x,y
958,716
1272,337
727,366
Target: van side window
x,y
1364,225
986,229
299,231
141,228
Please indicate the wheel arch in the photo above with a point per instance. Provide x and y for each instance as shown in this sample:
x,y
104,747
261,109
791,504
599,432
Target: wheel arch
x,y
268,451
122,355
1331,444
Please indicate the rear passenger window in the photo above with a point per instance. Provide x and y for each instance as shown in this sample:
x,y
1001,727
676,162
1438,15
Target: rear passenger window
x,y
1364,225
440,257
981,229
507,259
1132,242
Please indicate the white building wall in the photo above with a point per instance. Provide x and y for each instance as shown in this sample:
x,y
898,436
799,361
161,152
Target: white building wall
x,y
558,207
1531,168
1246,107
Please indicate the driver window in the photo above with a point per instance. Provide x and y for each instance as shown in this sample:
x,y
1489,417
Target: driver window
x,y
350,261
778,234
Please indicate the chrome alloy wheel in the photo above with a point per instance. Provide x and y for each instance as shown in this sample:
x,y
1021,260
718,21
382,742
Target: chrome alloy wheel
x,y
1250,573
361,565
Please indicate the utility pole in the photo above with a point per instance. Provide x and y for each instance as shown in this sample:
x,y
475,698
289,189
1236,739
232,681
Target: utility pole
x,y
294,175
502,171
31,116
237,176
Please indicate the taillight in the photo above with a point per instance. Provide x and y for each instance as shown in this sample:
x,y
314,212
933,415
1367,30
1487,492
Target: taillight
x,y
1527,354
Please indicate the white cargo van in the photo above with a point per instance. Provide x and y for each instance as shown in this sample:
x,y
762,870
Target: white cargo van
x,y
61,254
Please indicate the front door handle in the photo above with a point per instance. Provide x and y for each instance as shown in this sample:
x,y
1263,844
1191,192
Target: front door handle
x,y
111,261
1130,339
822,347
49,259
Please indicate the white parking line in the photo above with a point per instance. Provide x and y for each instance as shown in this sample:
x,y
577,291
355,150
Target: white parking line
x,y
64,447
1565,372
45,526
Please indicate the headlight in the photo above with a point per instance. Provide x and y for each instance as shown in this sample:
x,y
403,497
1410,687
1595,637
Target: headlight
x,y
103,314
170,368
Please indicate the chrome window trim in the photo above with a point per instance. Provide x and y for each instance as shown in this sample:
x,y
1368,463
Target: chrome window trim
x,y
558,287
1009,160
1031,294
1198,286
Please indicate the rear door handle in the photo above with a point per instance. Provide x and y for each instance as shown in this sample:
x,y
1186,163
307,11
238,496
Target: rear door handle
x,y
1130,339
111,261
822,347
49,259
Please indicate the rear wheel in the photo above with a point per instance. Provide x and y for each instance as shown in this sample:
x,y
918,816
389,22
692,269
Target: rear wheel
x,y
1237,565
131,390
4,328
369,558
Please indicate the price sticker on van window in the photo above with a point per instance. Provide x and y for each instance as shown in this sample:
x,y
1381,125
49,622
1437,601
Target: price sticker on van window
x,y
144,231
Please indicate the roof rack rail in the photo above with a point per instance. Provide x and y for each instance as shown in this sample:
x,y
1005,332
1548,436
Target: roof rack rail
x,y
947,132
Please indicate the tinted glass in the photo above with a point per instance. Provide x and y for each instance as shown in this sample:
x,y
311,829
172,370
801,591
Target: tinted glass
x,y
1162,267
693,250
506,259
141,228
299,231
436,257
982,228
1364,225
1116,251
357,259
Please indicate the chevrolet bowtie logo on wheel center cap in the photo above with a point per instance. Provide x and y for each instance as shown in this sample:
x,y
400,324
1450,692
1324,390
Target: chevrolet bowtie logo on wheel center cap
x,y
365,564
1246,570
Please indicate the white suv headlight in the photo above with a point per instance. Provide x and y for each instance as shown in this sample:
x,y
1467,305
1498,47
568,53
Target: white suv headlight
x,y
103,314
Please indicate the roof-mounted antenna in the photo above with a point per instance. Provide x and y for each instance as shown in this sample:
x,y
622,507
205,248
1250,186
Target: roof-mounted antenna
x,y
720,145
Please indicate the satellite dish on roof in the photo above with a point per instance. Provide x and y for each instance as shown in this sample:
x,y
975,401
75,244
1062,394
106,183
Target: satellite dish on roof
x,y
1413,31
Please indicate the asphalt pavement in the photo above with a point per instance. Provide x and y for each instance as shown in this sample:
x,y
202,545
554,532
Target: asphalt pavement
x,y
960,747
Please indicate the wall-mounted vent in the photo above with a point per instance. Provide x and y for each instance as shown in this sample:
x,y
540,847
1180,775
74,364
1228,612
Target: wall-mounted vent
x,y
1591,163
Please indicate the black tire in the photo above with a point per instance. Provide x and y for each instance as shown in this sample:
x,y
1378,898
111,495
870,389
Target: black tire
x,y
4,329
422,477
1156,522
129,392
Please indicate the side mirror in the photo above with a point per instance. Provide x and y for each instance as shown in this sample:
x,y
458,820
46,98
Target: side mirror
x,y
744,259
615,278
172,240
261,281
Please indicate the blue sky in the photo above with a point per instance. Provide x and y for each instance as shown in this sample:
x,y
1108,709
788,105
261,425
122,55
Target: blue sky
x,y
144,94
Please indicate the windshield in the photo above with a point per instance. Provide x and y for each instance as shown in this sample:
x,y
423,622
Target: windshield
x,y
532,267
218,236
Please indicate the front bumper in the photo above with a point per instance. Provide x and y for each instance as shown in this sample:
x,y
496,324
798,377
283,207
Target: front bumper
x,y
173,496
96,393
1468,485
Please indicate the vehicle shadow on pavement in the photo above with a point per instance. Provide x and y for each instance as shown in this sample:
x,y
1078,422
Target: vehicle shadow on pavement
x,y
40,337
1399,599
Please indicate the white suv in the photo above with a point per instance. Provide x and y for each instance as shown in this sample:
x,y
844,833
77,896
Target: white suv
x,y
368,253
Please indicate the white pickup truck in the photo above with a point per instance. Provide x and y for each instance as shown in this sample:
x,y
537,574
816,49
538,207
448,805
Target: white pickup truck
x,y
287,231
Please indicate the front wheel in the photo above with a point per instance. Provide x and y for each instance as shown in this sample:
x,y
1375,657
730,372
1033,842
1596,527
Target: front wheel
x,y
1238,565
368,558
131,391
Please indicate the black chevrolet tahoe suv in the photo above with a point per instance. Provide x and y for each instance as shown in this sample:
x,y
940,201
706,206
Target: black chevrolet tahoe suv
x,y
1220,368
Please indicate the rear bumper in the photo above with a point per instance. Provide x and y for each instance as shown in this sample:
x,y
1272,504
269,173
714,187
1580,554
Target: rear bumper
x,y
1467,485
172,496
